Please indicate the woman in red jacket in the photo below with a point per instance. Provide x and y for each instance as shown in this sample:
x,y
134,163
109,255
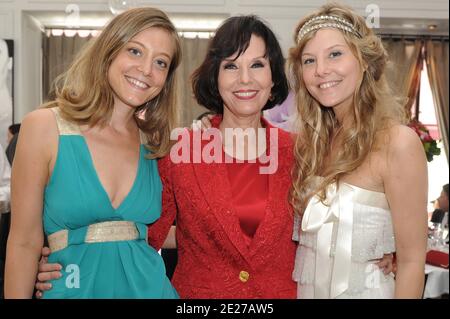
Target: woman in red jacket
x,y
234,222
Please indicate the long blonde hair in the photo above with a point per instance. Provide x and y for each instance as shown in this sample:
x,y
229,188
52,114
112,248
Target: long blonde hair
x,y
374,109
85,97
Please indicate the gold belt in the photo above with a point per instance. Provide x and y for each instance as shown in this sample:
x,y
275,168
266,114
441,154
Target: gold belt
x,y
97,233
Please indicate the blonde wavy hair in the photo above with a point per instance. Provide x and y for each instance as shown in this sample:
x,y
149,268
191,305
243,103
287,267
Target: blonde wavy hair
x,y
85,96
375,108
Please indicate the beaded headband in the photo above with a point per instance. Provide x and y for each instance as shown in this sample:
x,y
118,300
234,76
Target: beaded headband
x,y
334,22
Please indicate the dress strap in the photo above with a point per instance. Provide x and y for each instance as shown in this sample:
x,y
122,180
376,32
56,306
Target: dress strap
x,y
69,128
65,127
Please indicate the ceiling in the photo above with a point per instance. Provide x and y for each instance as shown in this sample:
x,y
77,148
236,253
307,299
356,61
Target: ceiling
x,y
209,22
414,26
96,20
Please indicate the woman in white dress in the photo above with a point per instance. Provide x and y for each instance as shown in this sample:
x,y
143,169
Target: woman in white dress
x,y
360,181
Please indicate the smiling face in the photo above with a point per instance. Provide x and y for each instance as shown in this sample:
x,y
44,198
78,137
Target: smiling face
x,y
245,83
330,71
139,71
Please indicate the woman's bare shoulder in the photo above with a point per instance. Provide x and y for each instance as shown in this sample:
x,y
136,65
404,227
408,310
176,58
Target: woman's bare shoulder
x,y
401,138
39,127
39,117
401,149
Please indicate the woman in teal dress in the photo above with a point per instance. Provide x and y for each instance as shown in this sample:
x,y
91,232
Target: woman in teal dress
x,y
85,168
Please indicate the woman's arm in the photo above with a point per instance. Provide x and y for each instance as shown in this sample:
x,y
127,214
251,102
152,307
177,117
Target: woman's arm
x,y
36,144
406,186
170,242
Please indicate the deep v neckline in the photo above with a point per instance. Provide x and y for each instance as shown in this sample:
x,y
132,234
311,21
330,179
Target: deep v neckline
x,y
100,183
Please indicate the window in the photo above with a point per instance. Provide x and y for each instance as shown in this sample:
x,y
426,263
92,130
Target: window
x,y
438,167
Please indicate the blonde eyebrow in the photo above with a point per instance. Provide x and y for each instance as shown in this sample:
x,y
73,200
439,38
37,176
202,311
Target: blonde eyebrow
x,y
336,45
142,45
329,48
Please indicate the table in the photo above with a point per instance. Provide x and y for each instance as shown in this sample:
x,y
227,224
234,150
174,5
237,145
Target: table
x,y
437,282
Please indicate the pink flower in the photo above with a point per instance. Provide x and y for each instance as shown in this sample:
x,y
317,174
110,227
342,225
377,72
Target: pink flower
x,y
428,142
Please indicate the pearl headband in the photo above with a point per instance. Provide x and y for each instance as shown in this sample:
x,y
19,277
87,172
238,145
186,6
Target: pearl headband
x,y
332,22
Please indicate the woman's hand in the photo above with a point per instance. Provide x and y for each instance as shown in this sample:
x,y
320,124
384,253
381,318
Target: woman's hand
x,y
203,121
386,264
46,272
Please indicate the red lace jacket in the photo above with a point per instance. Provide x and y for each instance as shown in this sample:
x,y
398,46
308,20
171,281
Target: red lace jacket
x,y
213,258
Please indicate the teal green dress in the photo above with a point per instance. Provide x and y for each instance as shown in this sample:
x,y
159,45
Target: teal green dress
x,y
74,199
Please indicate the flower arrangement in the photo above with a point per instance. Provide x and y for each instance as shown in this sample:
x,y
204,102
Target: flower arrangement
x,y
429,144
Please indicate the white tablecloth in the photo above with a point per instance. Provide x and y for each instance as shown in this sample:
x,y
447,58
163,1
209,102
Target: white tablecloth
x,y
437,281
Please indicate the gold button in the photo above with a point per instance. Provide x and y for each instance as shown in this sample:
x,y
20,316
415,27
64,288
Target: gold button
x,y
243,276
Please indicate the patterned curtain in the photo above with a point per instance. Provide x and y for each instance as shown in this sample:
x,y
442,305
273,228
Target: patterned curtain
x,y
194,51
437,65
403,69
58,52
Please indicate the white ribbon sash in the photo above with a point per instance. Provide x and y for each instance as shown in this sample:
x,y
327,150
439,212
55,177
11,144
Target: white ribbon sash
x,y
331,275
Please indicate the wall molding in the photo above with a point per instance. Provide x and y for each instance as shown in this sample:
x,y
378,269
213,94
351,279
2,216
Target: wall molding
x,y
6,24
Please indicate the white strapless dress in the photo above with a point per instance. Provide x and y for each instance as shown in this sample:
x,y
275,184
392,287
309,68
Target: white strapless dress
x,y
339,242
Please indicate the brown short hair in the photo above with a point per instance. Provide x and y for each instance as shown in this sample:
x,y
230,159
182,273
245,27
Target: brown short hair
x,y
233,36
